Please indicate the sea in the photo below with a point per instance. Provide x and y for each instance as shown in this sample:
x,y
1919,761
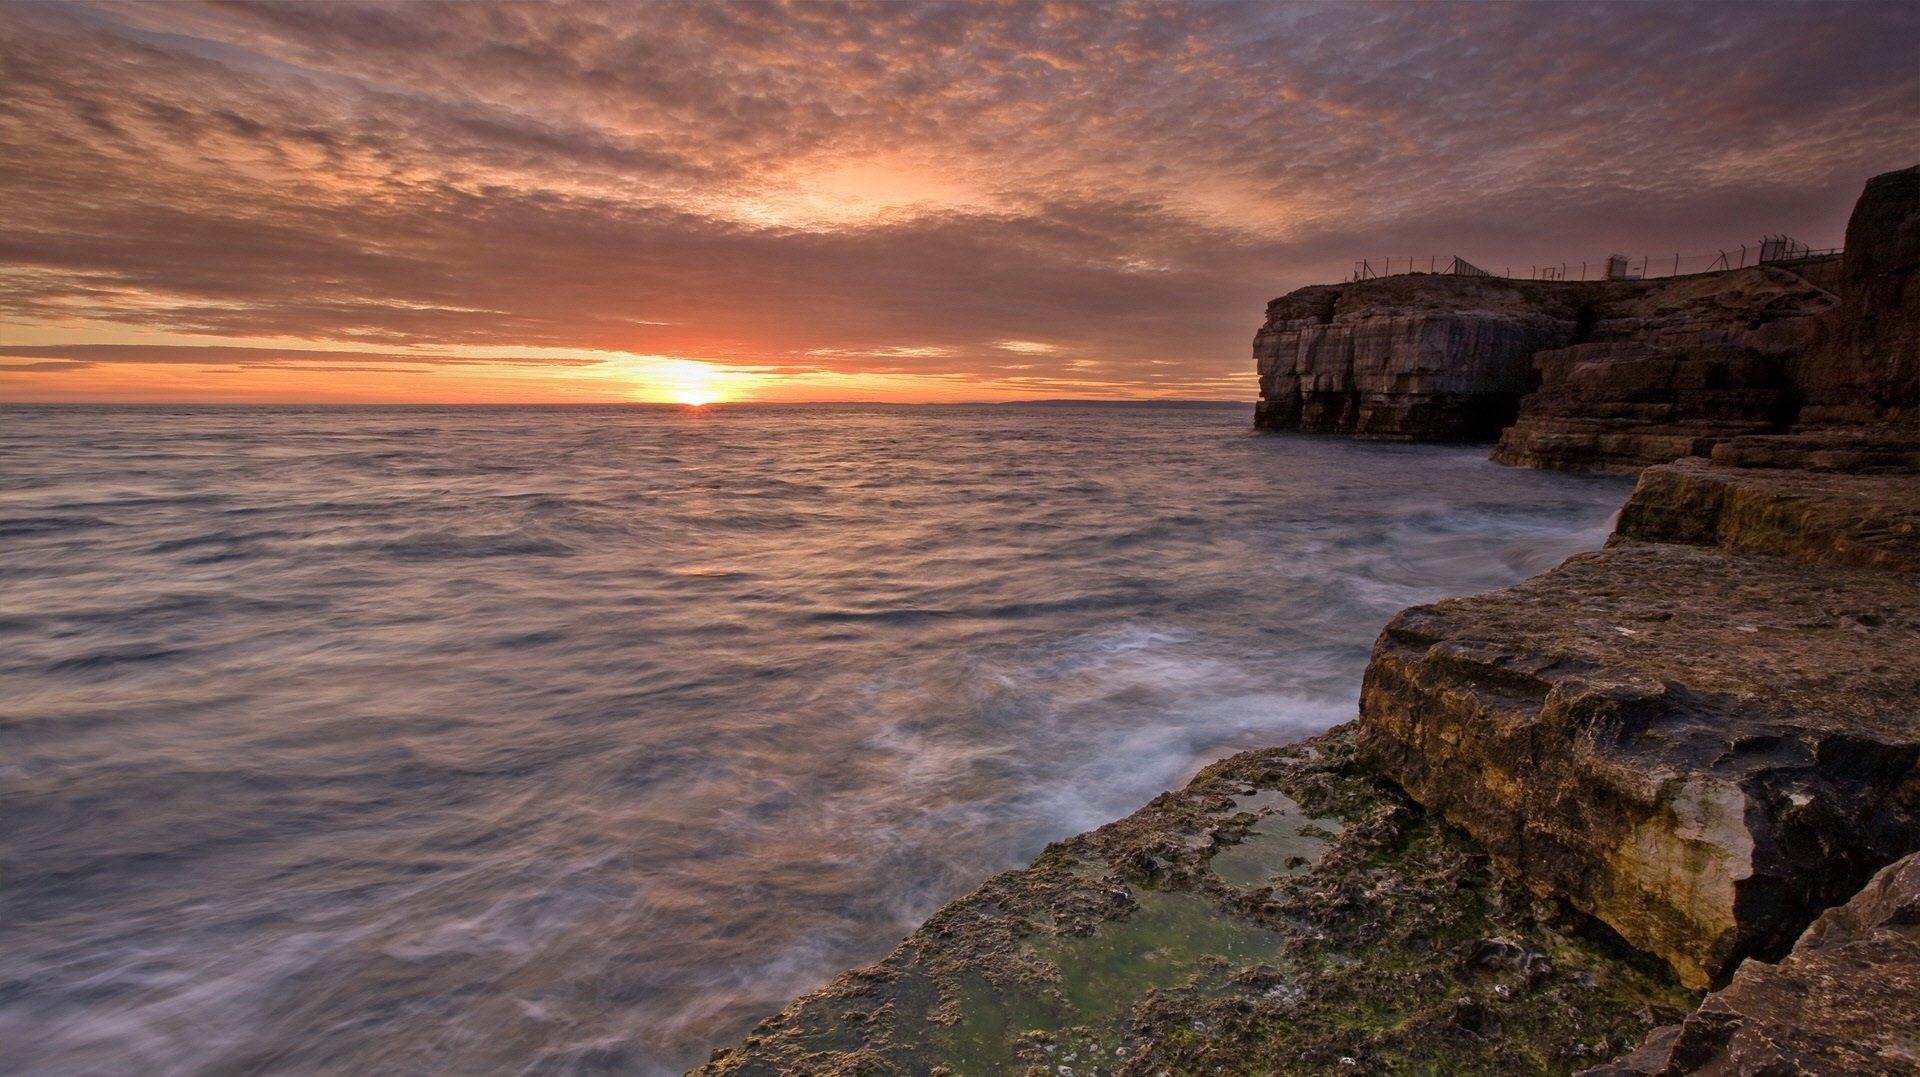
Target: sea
x,y
494,740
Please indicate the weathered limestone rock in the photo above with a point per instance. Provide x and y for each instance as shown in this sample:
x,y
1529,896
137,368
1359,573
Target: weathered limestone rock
x,y
1621,405
1418,357
1844,1003
1704,749
1424,357
1868,520
1868,368
1690,363
1419,375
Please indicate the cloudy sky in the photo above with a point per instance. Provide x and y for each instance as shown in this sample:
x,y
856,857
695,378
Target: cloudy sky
x,y
902,201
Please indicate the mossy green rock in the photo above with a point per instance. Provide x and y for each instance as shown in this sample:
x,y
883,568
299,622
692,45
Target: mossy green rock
x,y
1287,912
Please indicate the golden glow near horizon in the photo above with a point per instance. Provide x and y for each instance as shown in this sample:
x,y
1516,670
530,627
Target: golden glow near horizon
x,y
695,203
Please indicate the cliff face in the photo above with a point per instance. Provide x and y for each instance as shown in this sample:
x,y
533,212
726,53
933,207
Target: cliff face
x,y
1421,359
1612,375
1868,366
1424,377
1436,358
1690,363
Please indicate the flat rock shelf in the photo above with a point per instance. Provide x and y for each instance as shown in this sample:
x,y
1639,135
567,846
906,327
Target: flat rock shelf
x,y
1287,911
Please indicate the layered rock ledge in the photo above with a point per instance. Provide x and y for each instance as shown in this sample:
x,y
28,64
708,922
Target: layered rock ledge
x,y
1705,735
1703,749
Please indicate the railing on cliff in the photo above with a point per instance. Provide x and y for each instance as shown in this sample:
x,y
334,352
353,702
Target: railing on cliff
x,y
1774,249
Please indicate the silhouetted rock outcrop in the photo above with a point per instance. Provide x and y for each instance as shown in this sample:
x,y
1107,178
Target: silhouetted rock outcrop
x,y
1868,367
1611,375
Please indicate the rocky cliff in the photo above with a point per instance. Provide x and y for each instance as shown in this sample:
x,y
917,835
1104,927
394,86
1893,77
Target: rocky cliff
x,y
1412,358
1689,762
1867,367
1440,358
1611,375
1690,363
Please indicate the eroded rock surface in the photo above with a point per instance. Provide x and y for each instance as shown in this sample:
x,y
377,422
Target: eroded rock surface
x,y
1287,912
1446,360
1704,749
1440,358
1868,366
1869,520
1690,363
1844,1003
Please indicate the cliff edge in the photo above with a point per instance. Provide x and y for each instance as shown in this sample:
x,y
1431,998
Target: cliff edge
x,y
1611,375
1654,812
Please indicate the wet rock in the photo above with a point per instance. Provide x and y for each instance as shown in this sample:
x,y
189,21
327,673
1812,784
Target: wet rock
x,y
1703,749
1354,957
1845,1002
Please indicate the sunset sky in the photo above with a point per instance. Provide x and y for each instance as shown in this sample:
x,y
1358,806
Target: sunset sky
x,y
890,201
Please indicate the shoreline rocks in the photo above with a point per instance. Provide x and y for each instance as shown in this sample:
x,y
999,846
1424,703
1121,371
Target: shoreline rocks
x,y
1845,1001
1703,749
1287,911
1690,760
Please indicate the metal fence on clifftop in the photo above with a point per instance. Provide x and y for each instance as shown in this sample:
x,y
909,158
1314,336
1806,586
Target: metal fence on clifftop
x,y
1769,249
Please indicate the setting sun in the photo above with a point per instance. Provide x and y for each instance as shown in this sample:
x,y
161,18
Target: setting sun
x,y
665,380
